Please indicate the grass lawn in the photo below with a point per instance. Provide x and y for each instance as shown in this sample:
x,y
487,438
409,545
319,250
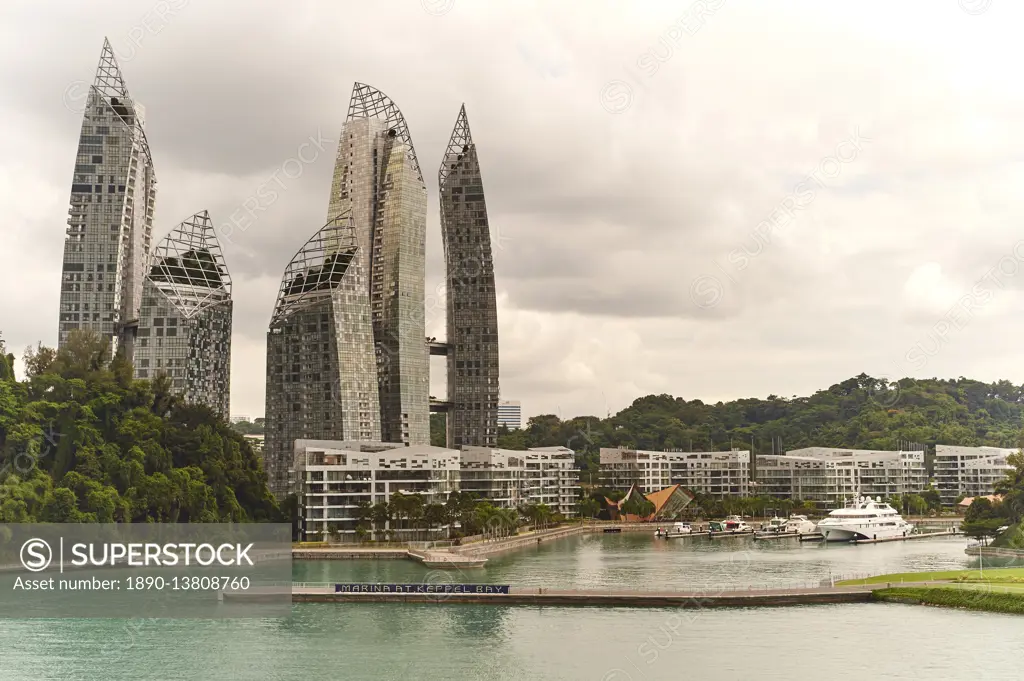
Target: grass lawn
x,y
995,575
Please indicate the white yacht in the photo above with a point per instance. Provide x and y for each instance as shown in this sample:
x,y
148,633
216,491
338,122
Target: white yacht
x,y
799,524
866,518
677,530
735,523
774,525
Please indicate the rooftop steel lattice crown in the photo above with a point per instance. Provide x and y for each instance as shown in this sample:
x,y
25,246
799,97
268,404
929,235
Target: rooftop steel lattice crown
x,y
109,82
110,85
318,268
369,102
459,143
188,266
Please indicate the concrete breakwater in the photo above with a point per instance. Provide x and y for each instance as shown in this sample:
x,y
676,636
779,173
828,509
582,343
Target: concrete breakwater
x,y
625,599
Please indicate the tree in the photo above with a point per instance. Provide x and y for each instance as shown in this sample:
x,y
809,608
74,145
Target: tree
x,y
435,515
932,498
638,505
381,513
102,447
438,430
1011,488
983,518
588,507
916,504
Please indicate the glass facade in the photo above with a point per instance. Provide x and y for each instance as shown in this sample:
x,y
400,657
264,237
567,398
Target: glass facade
x,y
110,223
472,313
378,182
321,369
184,327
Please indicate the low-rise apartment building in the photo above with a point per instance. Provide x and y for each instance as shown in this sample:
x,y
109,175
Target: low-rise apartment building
x,y
498,475
332,478
553,478
717,474
969,471
832,476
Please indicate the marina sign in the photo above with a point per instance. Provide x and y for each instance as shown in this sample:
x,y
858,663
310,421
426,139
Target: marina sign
x,y
422,588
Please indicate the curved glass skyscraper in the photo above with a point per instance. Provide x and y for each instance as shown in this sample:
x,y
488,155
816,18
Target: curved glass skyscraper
x,y
377,179
321,369
110,223
472,305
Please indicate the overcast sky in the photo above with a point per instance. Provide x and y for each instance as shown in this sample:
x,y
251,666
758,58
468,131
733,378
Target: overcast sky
x,y
717,199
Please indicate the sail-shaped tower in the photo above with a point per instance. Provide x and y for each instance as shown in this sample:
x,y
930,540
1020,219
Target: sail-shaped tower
x,y
472,312
110,223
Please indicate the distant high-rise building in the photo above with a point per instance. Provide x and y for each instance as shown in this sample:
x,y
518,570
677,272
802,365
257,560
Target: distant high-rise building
x,y
377,180
321,369
510,414
184,329
472,312
113,193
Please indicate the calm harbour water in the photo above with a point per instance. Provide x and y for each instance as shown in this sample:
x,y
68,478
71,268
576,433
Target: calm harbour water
x,y
427,642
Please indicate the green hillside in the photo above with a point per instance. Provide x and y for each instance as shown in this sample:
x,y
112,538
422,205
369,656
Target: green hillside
x,y
81,441
861,412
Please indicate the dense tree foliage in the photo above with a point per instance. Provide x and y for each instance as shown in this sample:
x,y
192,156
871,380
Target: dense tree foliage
x,y
861,412
463,514
254,427
81,441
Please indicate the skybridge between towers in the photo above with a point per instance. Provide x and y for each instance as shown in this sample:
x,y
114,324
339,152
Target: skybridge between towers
x,y
438,348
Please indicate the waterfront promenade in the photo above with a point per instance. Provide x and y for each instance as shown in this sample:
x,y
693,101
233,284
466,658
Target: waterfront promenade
x,y
470,555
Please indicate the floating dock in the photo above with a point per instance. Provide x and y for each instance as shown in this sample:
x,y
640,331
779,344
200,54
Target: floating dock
x,y
805,536
723,535
922,535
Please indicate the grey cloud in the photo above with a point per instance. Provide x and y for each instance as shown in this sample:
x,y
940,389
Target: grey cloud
x,y
606,221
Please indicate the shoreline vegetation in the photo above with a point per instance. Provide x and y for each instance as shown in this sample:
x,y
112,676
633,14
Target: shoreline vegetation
x,y
999,590
1000,602
993,575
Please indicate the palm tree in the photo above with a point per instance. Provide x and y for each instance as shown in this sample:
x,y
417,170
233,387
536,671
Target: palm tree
x,y
483,517
509,520
543,514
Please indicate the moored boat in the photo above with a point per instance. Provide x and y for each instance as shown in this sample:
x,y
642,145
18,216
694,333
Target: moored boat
x,y
736,524
865,518
799,524
677,530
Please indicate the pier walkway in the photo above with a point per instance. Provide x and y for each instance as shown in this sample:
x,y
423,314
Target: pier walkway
x,y
430,558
